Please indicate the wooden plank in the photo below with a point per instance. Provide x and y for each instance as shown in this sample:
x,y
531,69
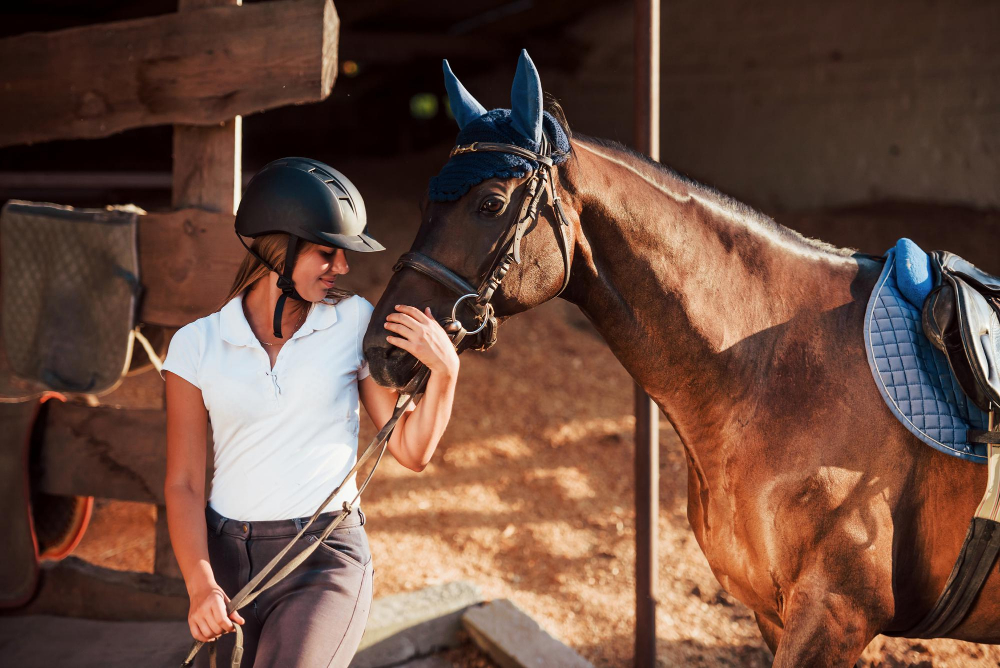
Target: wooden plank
x,y
646,112
164,561
74,588
515,640
44,641
198,67
18,552
206,174
207,170
105,452
188,260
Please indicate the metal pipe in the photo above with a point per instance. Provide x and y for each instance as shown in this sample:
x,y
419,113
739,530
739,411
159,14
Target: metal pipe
x,y
647,417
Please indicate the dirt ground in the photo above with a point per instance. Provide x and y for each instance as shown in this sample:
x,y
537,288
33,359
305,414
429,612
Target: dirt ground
x,y
530,497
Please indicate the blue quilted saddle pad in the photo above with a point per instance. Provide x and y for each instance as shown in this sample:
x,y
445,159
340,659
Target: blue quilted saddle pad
x,y
913,376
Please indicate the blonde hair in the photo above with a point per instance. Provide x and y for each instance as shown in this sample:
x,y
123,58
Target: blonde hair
x,y
272,247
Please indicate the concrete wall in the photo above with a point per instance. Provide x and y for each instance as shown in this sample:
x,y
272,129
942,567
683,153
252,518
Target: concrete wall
x,y
790,104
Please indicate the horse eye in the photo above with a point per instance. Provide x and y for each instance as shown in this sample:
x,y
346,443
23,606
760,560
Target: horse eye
x,y
492,206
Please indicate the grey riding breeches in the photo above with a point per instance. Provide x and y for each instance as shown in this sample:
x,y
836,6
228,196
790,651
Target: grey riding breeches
x,y
316,616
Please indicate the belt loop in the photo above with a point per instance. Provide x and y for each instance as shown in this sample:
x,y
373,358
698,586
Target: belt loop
x,y
298,524
362,514
218,527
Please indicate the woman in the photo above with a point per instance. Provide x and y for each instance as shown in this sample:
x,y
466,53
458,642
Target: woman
x,y
279,371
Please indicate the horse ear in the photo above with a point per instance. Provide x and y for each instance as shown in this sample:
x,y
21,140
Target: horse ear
x,y
464,107
526,99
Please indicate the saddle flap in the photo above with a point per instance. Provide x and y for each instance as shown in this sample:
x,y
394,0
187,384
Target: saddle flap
x,y
938,314
69,284
973,344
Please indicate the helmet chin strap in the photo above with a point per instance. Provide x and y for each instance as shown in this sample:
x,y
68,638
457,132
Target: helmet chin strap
x,y
285,283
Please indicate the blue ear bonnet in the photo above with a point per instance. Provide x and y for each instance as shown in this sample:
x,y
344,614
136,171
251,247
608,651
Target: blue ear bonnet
x,y
463,171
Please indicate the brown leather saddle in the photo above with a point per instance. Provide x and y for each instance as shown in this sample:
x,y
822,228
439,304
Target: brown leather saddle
x,y
961,317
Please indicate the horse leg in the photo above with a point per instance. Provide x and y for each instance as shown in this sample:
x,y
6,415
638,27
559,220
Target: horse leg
x,y
822,629
770,631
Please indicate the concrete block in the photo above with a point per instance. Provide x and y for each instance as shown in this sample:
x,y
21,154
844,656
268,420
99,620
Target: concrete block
x,y
515,640
416,624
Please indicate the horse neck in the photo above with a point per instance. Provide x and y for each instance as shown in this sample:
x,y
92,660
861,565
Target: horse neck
x,y
688,288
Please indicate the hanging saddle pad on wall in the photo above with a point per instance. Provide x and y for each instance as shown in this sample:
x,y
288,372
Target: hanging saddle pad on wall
x,y
69,284
913,376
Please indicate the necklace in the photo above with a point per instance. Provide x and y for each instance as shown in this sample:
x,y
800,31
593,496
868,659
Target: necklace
x,y
275,343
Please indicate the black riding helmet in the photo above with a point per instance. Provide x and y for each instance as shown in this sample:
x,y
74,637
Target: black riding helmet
x,y
305,199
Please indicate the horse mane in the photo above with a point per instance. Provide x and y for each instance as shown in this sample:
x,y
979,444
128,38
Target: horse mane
x,y
733,205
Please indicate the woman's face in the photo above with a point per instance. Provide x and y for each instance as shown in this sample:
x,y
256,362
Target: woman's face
x,y
316,270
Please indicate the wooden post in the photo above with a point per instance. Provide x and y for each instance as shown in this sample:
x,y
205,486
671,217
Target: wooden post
x,y
207,174
647,416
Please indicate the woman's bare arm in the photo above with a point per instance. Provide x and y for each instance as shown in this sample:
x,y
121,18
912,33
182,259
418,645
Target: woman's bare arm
x,y
418,432
184,491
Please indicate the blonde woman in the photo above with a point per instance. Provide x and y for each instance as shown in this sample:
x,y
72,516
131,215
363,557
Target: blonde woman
x,y
280,373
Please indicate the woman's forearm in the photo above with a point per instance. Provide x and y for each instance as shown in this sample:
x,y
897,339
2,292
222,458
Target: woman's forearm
x,y
422,429
188,532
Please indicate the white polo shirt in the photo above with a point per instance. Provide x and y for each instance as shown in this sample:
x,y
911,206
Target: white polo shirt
x,y
285,437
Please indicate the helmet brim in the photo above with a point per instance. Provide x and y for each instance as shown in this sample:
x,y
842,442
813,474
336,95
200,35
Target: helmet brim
x,y
360,243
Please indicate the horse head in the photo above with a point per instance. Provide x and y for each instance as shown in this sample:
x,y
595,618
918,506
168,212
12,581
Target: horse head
x,y
494,238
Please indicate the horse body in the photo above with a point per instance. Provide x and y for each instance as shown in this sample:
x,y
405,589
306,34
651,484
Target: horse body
x,y
812,504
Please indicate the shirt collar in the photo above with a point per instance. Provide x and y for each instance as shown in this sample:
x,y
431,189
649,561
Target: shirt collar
x,y
236,330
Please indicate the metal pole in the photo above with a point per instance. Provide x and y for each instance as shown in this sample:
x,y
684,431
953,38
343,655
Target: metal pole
x,y
647,416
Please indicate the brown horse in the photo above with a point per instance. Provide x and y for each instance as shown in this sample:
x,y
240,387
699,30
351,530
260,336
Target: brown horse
x,y
814,506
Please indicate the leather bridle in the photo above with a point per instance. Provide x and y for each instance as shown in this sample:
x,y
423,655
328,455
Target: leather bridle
x,y
509,251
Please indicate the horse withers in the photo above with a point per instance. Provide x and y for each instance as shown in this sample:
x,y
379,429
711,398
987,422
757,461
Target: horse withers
x,y
814,506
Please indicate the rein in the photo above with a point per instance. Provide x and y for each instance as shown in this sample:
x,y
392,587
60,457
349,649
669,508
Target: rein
x,y
509,252
249,592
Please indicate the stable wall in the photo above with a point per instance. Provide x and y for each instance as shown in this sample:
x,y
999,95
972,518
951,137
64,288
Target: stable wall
x,y
791,105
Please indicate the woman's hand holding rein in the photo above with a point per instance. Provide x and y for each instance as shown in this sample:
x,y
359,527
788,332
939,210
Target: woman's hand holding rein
x,y
207,618
418,333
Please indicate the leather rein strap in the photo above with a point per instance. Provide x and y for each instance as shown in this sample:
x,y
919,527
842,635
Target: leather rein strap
x,y
538,183
251,591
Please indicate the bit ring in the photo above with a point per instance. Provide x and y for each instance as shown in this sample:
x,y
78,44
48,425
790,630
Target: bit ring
x,y
486,319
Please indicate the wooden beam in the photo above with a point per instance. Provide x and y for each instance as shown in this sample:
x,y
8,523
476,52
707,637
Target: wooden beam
x,y
646,109
106,452
199,67
188,260
74,588
207,170
18,551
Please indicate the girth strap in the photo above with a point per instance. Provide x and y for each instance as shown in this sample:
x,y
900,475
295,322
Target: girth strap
x,y
974,564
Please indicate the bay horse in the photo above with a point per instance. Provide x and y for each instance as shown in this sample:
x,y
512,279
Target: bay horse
x,y
814,506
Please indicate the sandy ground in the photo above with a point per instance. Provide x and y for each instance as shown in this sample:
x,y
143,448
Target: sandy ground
x,y
530,497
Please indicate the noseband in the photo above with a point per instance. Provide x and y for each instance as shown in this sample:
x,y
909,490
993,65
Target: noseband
x,y
509,251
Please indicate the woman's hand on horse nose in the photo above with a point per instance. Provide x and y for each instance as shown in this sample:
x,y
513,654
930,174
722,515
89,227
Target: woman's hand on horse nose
x,y
419,334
